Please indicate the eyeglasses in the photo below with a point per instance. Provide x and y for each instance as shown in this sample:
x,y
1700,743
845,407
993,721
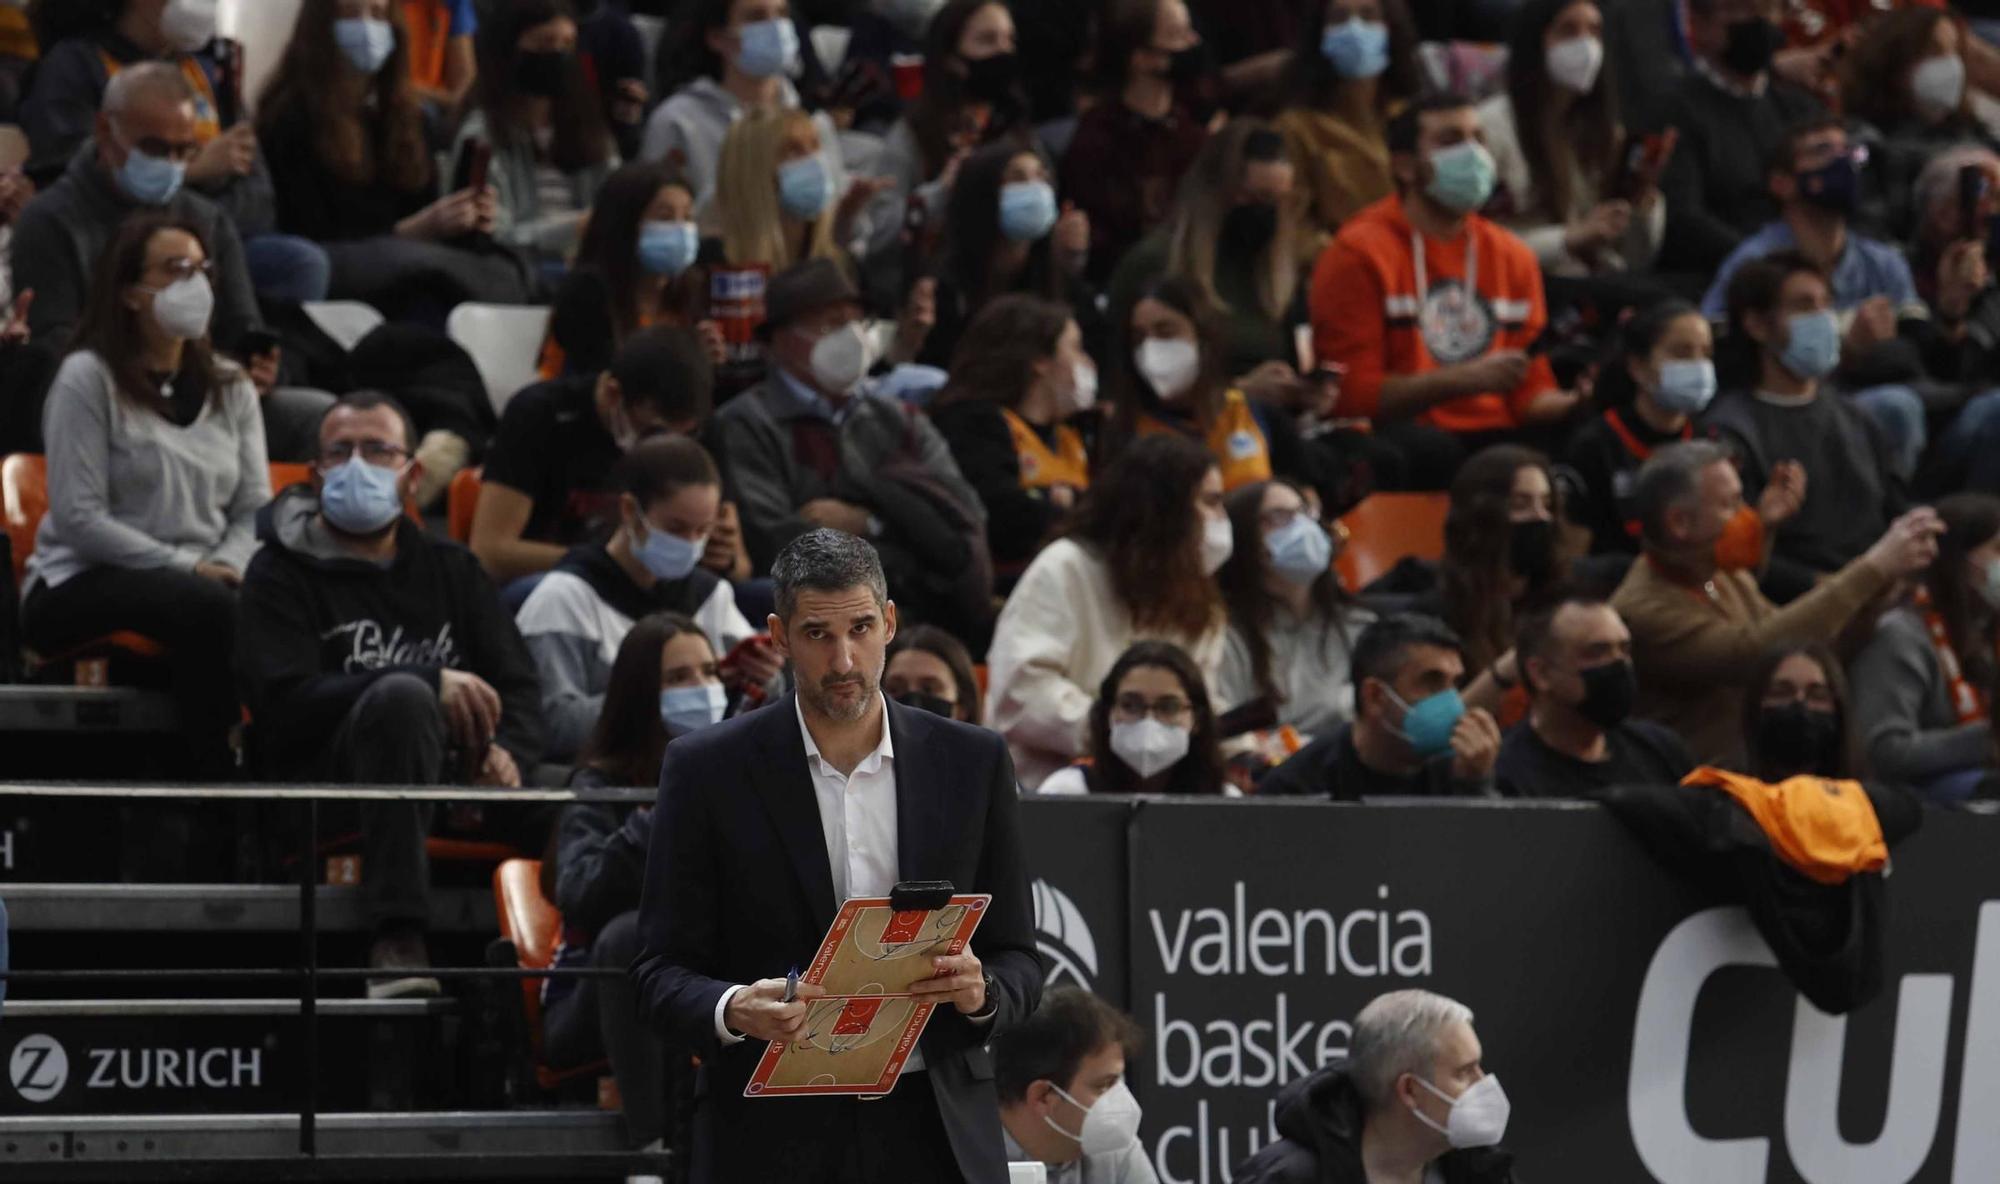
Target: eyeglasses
x,y
1169,709
375,452
184,267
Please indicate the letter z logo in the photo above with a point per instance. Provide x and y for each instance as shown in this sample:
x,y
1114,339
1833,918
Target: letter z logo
x,y
39,1068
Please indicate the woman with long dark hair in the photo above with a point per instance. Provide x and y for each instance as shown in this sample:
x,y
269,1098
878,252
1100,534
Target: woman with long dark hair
x,y
1291,624
1925,681
1152,730
1798,718
551,145
344,134
663,685
1018,379
1349,73
1907,79
638,266
156,472
1171,380
1556,142
971,96
1137,562
1003,233
930,669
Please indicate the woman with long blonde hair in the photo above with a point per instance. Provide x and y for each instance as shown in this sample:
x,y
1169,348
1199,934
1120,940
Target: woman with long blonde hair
x,y
774,199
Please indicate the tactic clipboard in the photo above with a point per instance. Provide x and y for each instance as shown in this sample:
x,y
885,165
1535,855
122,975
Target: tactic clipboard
x,y
860,1034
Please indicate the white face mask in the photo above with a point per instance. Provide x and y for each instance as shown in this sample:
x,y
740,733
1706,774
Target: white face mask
x,y
182,309
1148,746
1478,1116
1218,540
840,359
1169,366
1083,389
1573,64
188,25
1938,83
1111,1125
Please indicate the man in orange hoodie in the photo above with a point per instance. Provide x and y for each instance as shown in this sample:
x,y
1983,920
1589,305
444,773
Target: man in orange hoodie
x,y
1432,308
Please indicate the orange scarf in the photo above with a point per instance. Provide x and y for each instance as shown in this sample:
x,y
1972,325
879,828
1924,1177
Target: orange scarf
x,y
1967,700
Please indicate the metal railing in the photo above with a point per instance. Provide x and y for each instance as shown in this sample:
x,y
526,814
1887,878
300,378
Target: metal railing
x,y
309,973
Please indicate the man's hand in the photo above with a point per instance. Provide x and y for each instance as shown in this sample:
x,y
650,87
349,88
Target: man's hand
x,y
961,979
759,1011
263,369
1874,323
1961,276
1783,494
471,708
1475,745
498,770
1495,374
231,154
221,573
1908,546
836,514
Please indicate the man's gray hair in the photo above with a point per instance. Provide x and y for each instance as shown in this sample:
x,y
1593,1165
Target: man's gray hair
x,y
826,560
147,80
1398,1033
1670,480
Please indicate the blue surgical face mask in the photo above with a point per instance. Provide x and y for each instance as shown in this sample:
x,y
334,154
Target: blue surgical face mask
x,y
668,248
805,188
1357,48
360,498
766,49
1461,177
1812,344
1685,387
669,556
367,43
1300,550
1428,723
690,709
1027,210
150,180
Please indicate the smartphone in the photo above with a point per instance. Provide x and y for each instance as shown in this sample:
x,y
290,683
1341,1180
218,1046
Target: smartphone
x,y
229,81
482,162
1971,192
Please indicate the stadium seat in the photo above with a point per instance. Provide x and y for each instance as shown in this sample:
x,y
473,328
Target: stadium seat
x,y
505,341
531,923
265,28
460,501
285,474
346,321
24,498
1386,528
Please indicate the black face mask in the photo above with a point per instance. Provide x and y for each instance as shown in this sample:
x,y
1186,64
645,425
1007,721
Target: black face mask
x,y
991,80
927,702
1608,693
1835,186
1751,46
1795,739
542,73
1248,229
1531,549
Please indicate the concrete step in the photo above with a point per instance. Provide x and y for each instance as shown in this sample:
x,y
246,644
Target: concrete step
x,y
208,908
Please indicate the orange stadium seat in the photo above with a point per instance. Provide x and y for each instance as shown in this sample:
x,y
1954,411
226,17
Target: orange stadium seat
x,y
460,503
24,499
285,474
1386,528
528,920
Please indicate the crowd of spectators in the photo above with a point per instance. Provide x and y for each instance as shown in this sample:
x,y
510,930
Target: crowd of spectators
x,y
1095,322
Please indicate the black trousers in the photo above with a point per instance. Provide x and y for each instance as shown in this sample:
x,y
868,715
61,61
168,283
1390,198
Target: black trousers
x,y
899,1139
393,735
192,616
601,1017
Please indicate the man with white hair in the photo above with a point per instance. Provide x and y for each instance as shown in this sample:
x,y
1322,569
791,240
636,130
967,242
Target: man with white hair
x,y
1412,1104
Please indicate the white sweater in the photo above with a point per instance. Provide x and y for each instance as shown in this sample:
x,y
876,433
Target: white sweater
x,y
1058,636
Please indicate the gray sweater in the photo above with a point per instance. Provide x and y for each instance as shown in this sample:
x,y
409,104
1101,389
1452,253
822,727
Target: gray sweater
x,y
128,488
1908,725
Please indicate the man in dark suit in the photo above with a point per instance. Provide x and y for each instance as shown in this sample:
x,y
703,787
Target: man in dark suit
x,y
764,824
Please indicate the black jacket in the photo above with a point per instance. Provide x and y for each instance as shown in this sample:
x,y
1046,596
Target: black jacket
x,y
318,627
1828,938
738,888
600,862
1319,1140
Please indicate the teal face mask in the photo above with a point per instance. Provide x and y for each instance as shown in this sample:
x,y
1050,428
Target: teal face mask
x,y
1461,177
1428,723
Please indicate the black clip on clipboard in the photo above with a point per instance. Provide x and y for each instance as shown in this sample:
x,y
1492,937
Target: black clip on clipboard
x,y
928,895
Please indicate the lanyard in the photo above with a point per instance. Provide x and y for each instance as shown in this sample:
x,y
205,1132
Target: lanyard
x,y
1423,277
1638,448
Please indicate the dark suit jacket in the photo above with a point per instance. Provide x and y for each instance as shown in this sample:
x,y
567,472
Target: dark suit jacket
x,y
738,889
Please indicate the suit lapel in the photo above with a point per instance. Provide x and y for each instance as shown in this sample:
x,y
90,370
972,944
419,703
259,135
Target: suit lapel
x,y
920,850
785,784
